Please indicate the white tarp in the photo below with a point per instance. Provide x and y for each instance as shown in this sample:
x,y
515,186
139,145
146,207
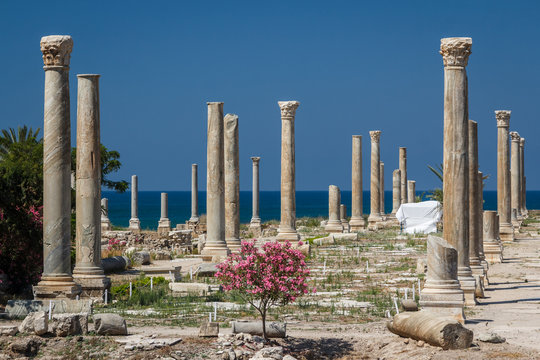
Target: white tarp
x,y
420,217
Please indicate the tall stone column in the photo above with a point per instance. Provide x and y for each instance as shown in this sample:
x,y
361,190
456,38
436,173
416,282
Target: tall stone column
x,y
164,224
403,169
56,280
343,216
287,226
411,191
480,226
357,221
134,222
88,271
194,194
396,192
381,187
255,223
523,192
503,176
232,183
333,224
492,246
515,176
215,248
448,298
375,192
105,222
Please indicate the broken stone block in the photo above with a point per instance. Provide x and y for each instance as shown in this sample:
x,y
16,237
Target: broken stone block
x,y
26,346
491,338
269,353
209,329
41,323
9,330
110,324
69,324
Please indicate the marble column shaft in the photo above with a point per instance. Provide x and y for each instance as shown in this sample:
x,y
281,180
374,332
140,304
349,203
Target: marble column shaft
x,y
334,223
134,222
480,226
357,221
375,192
411,191
403,169
503,176
491,239
287,226
194,194
396,191
164,206
255,217
232,182
515,174
523,192
474,210
381,182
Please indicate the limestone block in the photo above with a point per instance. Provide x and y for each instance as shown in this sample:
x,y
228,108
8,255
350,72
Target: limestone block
x,y
209,329
110,324
193,288
21,308
69,324
41,323
269,353
9,330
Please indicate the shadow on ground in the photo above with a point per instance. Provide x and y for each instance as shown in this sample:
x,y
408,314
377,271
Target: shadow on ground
x,y
323,348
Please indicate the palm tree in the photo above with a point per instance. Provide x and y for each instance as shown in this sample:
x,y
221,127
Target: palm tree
x,y
21,135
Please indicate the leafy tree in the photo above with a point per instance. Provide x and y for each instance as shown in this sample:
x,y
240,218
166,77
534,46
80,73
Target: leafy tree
x,y
22,135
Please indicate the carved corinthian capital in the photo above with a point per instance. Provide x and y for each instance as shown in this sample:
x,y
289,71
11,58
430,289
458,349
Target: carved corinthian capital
x,y
288,108
503,118
456,51
56,50
375,135
514,136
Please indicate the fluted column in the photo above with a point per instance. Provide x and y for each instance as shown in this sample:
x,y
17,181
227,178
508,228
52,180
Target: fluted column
x,y
334,223
491,240
523,192
56,280
381,187
357,221
105,222
411,191
164,224
194,194
503,176
515,176
255,224
287,226
403,169
232,183
375,192
134,222
215,247
396,192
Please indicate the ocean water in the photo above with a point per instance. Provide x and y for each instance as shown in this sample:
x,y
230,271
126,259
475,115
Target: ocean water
x,y
308,204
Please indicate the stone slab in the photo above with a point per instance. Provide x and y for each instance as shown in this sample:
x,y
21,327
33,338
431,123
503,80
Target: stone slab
x,y
20,308
193,288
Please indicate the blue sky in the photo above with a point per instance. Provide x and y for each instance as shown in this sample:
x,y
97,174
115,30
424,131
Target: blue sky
x,y
354,66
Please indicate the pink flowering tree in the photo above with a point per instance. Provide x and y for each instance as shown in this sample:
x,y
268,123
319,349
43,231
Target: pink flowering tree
x,y
273,275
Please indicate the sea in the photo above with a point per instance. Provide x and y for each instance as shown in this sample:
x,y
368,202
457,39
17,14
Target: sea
x,y
308,204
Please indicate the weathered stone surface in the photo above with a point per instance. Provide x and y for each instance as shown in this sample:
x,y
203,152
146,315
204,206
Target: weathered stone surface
x,y
273,329
403,171
134,222
375,192
26,346
110,324
255,223
333,225
206,270
493,249
193,288
506,229
69,324
357,221
164,223
269,353
194,194
490,338
396,192
115,264
9,330
41,323
140,257
232,182
209,329
21,308
409,305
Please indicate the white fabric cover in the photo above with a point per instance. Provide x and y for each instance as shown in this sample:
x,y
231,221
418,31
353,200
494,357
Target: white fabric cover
x,y
419,217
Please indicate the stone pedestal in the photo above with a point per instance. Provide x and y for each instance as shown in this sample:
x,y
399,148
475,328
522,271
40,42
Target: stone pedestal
x,y
396,192
375,218
334,223
56,280
232,183
88,272
411,191
343,217
287,226
442,293
493,250
357,221
134,222
515,179
403,169
506,229
216,247
105,222
164,224
255,223
194,219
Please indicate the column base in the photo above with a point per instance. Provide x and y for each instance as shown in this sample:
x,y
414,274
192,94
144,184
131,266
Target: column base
x,y
506,232
444,298
106,225
357,224
333,226
345,225
193,220
468,285
164,226
255,227
135,225
287,235
215,252
493,252
234,245
56,287
92,286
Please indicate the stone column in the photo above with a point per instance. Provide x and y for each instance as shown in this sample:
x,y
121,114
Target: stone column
x,y
357,221
134,222
334,223
56,280
396,192
88,271
381,182
105,222
164,224
492,246
480,226
375,192
448,298
194,194
287,226
503,176
411,191
403,169
215,248
515,177
343,217
255,224
523,192
232,183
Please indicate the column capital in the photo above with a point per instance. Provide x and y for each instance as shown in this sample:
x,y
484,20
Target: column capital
x,y
56,50
357,136
375,135
522,141
455,51
514,136
503,118
288,108
255,159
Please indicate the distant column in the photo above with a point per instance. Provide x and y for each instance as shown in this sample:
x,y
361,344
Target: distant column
x,y
134,222
164,224
56,280
403,169
411,191
215,247
194,194
343,217
503,176
480,226
381,187
357,221
255,224
523,192
287,226
232,183
375,192
492,246
515,176
396,192
105,222
334,223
